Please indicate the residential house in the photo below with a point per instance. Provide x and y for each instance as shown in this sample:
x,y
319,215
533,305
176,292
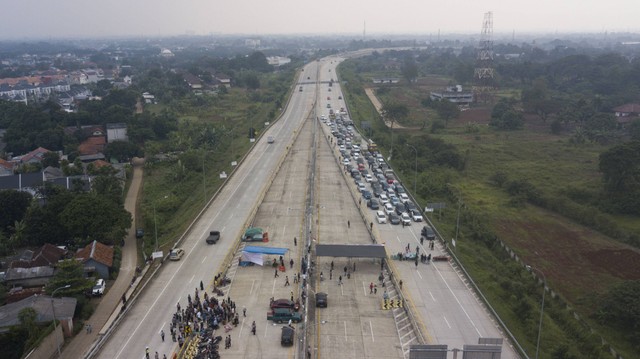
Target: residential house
x,y
28,277
6,167
47,255
223,79
34,156
45,307
192,81
97,258
627,113
148,98
117,132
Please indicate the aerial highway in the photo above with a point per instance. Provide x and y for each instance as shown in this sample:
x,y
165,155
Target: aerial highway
x,y
293,185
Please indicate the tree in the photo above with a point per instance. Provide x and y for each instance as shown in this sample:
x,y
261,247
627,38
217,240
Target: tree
x,y
69,272
620,166
447,110
122,151
51,159
108,186
634,130
504,116
394,112
27,317
92,217
621,306
13,207
409,69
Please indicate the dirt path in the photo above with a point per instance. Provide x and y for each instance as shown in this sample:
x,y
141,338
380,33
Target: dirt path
x,y
111,301
378,105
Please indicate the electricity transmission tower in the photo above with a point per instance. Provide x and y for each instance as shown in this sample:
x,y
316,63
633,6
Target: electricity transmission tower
x,y
484,71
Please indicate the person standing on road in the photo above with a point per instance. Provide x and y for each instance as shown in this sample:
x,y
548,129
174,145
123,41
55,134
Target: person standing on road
x,y
291,262
371,288
348,224
201,285
295,241
162,334
253,327
276,276
340,280
286,281
244,312
400,283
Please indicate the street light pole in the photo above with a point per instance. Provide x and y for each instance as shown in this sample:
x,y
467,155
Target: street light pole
x,y
53,311
544,290
415,173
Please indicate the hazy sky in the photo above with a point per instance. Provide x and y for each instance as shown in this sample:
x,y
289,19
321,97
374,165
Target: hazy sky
x,y
90,18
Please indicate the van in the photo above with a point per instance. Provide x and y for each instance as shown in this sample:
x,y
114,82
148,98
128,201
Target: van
x,y
270,139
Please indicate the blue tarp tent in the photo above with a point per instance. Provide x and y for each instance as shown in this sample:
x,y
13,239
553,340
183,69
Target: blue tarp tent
x,y
265,250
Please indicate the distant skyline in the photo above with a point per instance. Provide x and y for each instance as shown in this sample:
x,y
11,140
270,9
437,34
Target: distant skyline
x,y
44,19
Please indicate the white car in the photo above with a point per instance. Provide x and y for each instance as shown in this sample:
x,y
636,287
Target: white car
x,y
383,198
417,217
361,186
176,254
404,217
346,161
381,217
356,147
98,289
368,178
403,197
388,208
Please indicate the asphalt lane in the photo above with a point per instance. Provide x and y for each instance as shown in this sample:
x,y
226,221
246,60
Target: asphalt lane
x,y
228,213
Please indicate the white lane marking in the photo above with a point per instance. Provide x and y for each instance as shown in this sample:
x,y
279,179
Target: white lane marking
x,y
273,289
457,300
398,238
446,321
241,327
345,331
284,230
132,335
419,275
266,326
222,230
191,280
253,282
342,289
364,288
432,297
371,327
204,259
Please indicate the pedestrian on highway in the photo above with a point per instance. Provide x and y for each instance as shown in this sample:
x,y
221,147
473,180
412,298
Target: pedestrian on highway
x,y
162,334
421,240
253,327
244,312
416,262
292,296
371,288
164,356
385,295
157,355
330,274
331,265
295,241
291,262
321,277
354,266
371,226
90,329
402,224
146,352
345,269
400,283
276,276
201,285
286,281
86,327
348,224
340,280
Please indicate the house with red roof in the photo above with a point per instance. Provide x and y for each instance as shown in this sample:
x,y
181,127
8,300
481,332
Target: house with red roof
x,y
627,113
97,258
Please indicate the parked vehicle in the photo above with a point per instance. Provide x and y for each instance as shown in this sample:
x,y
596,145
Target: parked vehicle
x,y
416,215
139,233
404,217
381,217
393,218
253,234
284,303
373,204
388,208
321,300
270,139
213,238
280,315
428,232
287,336
98,289
176,254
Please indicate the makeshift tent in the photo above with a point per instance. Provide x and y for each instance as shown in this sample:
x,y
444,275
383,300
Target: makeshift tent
x,y
256,254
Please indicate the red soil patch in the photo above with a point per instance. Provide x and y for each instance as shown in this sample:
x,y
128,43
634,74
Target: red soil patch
x,y
576,261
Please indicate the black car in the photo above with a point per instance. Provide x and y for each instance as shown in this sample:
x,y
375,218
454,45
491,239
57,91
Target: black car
x,y
287,336
409,206
400,209
373,204
139,233
393,218
321,300
366,194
